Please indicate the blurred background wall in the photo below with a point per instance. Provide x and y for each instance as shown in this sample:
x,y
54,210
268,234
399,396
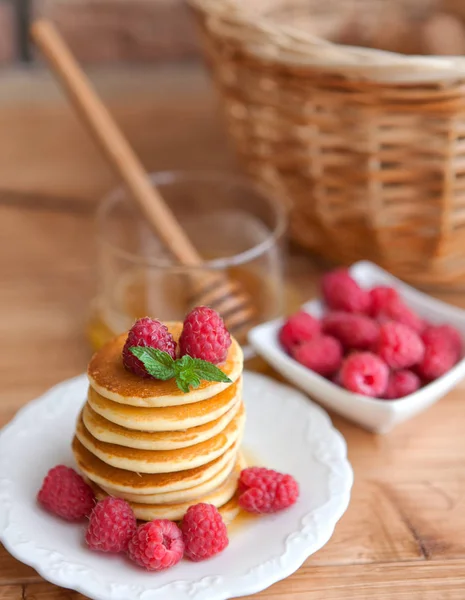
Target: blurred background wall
x,y
102,31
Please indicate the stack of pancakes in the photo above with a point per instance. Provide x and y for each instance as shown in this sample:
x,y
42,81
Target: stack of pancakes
x,y
157,447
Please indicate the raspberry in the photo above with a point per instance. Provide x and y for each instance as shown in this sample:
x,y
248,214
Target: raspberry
x,y
151,333
66,494
204,532
396,310
300,327
401,383
266,491
441,353
365,373
112,524
156,545
323,355
205,336
341,292
400,346
353,331
444,331
380,297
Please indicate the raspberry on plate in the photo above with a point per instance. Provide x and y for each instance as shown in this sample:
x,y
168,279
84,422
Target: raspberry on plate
x,y
299,327
395,310
322,354
400,346
66,494
112,524
356,332
401,383
204,532
150,333
444,331
156,545
266,491
440,355
341,292
380,297
204,335
365,373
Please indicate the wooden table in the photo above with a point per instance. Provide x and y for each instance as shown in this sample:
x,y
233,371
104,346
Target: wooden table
x,y
403,536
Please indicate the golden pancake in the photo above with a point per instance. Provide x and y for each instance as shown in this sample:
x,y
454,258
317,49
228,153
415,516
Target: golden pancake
x,y
124,481
163,461
179,495
230,510
105,431
218,497
169,418
110,379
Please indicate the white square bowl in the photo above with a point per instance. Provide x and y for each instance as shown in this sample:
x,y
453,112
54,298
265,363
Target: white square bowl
x,y
375,415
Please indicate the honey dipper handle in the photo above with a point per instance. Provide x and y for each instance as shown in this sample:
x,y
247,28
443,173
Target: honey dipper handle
x,y
116,147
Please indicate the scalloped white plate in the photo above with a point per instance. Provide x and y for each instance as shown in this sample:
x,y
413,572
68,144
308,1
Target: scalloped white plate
x,y
284,431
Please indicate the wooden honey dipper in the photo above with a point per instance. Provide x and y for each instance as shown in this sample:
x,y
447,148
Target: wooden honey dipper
x,y
212,289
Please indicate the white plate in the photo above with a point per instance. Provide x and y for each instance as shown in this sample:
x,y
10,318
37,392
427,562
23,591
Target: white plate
x,y
284,431
373,414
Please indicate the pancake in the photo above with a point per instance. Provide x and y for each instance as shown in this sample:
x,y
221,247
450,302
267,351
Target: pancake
x,y
124,481
180,495
163,461
110,379
105,431
218,497
230,510
169,418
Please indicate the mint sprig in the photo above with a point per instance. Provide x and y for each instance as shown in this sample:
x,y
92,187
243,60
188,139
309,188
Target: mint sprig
x,y
187,371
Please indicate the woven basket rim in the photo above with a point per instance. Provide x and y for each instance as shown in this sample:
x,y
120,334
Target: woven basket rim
x,y
271,41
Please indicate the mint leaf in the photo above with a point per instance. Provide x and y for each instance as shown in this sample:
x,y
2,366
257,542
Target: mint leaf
x,y
184,362
159,364
191,371
187,371
182,385
209,372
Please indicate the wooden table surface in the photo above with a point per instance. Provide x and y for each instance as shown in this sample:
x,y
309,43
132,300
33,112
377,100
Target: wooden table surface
x,y
403,535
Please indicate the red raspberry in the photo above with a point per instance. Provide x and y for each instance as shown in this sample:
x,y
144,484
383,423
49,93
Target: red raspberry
x,y
444,331
323,355
341,292
300,327
365,373
204,532
66,494
402,383
112,524
205,336
353,331
396,310
156,545
266,491
440,354
400,346
151,333
381,296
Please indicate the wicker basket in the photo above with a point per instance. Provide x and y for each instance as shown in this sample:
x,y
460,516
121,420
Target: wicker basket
x,y
367,145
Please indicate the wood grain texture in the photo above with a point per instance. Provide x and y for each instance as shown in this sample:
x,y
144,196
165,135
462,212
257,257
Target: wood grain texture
x,y
11,592
402,536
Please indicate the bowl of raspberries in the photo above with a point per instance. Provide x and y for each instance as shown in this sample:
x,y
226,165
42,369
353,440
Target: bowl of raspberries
x,y
372,348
